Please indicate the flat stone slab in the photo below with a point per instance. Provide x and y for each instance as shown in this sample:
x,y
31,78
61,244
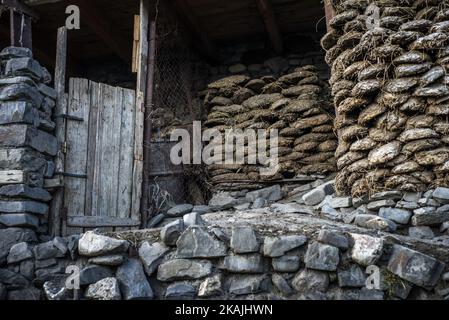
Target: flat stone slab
x,y
248,284
272,193
151,255
197,242
133,282
287,263
244,240
92,244
19,220
183,269
340,202
291,208
315,196
24,191
431,216
247,263
109,260
278,246
179,291
14,112
179,210
441,194
34,207
19,135
20,252
322,257
400,216
353,277
333,239
415,267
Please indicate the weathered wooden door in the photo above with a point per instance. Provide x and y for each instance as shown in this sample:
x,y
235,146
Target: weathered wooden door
x,y
103,170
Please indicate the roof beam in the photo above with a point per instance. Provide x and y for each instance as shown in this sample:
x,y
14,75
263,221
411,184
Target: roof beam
x,y
92,17
19,7
267,13
205,45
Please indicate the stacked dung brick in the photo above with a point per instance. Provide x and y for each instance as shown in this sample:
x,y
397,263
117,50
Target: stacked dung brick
x,y
26,141
388,63
296,104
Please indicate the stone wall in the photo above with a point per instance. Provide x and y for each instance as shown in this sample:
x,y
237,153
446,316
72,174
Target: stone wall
x,y
27,144
285,249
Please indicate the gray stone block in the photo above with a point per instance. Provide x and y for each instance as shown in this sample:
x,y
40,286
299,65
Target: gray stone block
x,y
34,207
244,240
334,239
15,52
132,280
322,257
24,67
278,246
288,263
24,191
245,263
396,215
21,92
20,220
14,112
19,252
415,267
180,291
27,136
197,242
92,274
183,269
151,255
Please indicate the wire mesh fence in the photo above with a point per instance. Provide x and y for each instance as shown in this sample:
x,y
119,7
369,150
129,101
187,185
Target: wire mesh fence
x,y
174,106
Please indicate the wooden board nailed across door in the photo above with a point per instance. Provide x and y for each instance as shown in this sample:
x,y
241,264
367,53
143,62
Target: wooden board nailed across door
x,y
102,178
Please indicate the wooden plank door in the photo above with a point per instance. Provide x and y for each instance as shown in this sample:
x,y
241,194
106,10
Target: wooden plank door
x,y
101,175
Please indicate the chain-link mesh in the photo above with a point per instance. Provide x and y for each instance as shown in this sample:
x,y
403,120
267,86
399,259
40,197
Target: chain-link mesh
x,y
174,106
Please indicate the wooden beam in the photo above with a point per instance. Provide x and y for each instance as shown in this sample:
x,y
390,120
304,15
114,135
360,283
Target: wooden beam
x,y
138,169
100,221
19,7
201,39
61,108
329,12
94,18
267,13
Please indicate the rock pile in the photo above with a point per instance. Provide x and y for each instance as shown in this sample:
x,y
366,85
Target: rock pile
x,y
389,62
27,144
296,104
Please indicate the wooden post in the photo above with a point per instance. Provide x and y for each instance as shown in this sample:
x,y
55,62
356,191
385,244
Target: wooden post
x,y
267,13
329,11
61,108
147,127
136,203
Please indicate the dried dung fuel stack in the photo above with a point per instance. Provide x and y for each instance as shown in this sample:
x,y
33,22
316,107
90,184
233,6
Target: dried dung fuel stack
x,y
388,61
296,104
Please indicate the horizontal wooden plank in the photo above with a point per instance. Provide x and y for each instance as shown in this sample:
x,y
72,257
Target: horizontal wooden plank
x,y
100,221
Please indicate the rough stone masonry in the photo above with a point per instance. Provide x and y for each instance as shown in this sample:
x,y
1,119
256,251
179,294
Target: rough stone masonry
x,y
27,145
